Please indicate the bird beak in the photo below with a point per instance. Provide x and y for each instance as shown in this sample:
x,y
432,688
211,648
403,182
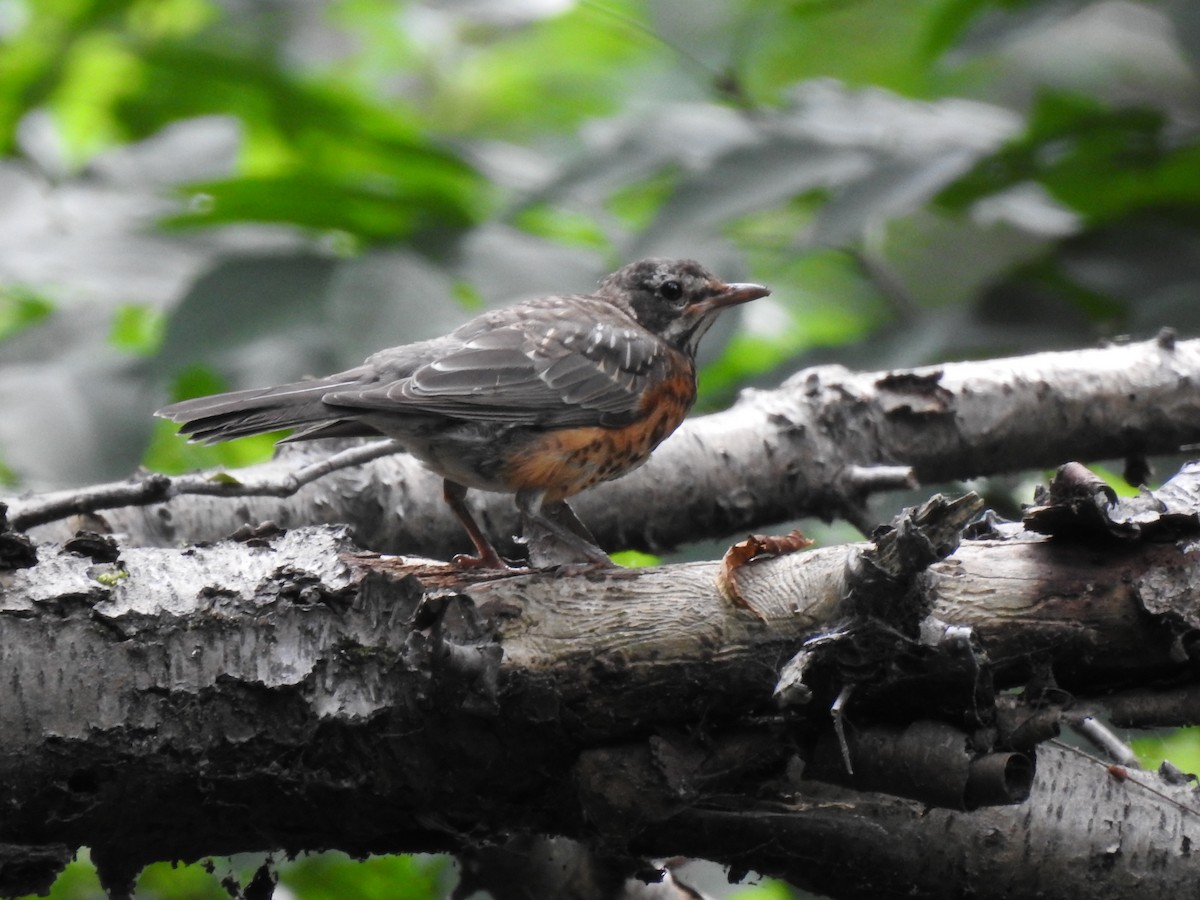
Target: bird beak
x,y
731,295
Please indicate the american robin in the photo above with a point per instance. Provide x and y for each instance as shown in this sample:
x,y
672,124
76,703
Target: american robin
x,y
542,399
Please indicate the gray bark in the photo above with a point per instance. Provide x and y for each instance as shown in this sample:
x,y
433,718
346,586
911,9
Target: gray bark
x,y
290,692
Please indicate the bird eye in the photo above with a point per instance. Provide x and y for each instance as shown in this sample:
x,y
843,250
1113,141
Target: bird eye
x,y
670,290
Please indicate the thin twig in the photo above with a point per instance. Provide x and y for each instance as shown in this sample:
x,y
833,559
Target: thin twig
x,y
1123,775
155,488
1103,739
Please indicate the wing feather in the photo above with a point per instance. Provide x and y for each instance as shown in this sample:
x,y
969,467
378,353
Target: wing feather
x,y
544,368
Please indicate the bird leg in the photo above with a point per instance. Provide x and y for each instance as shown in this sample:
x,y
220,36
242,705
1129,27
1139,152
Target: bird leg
x,y
455,496
555,536
561,513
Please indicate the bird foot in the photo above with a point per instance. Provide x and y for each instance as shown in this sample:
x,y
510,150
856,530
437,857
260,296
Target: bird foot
x,y
492,561
571,569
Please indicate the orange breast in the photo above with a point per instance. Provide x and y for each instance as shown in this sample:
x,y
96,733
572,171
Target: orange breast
x,y
569,460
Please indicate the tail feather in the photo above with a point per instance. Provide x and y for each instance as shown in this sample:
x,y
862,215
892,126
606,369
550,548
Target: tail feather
x,y
222,417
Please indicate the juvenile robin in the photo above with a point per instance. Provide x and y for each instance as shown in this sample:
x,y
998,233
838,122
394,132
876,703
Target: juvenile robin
x,y
542,399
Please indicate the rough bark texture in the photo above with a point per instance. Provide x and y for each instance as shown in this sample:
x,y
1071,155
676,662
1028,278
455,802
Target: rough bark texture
x,y
809,448
1082,832
289,692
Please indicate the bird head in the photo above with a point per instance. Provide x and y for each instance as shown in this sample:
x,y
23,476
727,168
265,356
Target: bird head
x,y
677,299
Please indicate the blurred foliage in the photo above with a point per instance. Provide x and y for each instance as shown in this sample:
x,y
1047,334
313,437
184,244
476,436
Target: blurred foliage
x,y
561,225
1181,747
325,876
334,876
917,181
635,559
1113,479
21,308
317,152
78,881
1073,146
170,453
137,329
768,890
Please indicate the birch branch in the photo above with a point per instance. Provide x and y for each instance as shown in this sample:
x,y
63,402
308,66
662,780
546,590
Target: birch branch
x,y
235,688
819,445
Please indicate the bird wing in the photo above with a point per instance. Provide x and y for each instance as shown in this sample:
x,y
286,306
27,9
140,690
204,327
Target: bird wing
x,y
528,365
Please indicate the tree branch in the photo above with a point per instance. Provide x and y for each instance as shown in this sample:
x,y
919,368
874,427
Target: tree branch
x,y
236,687
819,445
154,488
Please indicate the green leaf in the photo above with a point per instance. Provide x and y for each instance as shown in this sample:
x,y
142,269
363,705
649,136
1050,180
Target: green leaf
x,y
1103,162
549,76
946,24
316,153
636,204
196,381
950,23
171,453
78,881
34,59
21,308
1181,747
8,478
100,69
635,559
468,295
866,42
137,328
334,876
174,881
562,225
373,212
156,19
768,890
158,881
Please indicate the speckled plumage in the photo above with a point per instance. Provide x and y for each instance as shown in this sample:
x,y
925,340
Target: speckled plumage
x,y
541,399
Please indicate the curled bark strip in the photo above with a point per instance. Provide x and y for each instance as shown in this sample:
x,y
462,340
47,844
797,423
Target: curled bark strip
x,y
1079,504
754,548
928,761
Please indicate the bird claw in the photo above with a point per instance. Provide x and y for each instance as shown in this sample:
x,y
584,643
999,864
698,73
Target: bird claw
x,y
571,569
493,561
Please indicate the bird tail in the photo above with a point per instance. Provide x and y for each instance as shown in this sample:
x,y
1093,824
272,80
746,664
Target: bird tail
x,y
222,417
